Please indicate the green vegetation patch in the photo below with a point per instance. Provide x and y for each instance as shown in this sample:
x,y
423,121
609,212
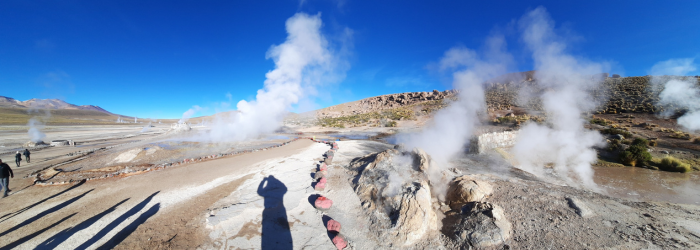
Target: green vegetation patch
x,y
636,154
672,164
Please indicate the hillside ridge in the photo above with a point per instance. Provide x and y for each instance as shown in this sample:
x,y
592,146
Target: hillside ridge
x,y
9,102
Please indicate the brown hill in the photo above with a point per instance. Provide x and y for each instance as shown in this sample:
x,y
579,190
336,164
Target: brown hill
x,y
9,102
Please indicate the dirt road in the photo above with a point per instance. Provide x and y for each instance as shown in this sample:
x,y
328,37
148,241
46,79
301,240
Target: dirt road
x,y
160,209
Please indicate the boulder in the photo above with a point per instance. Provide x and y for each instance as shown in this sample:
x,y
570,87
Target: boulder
x,y
400,209
484,225
423,161
416,217
465,189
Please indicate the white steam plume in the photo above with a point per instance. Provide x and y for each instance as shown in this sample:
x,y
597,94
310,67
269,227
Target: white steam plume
x,y
34,132
564,143
452,127
680,91
189,113
301,62
36,125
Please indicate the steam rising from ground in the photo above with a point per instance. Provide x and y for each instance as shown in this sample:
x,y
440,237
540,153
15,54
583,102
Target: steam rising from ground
x,y
36,125
303,61
189,113
34,132
564,143
682,92
453,126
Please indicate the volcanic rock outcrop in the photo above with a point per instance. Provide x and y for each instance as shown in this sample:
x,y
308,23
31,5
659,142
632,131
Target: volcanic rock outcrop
x,y
394,192
383,102
613,95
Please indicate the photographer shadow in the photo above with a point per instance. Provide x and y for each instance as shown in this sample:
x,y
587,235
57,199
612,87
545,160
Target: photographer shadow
x,y
276,233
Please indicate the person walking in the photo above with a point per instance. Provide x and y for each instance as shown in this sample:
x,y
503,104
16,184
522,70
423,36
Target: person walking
x,y
26,154
5,175
18,158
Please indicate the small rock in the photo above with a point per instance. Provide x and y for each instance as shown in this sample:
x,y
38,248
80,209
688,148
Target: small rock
x,y
580,207
445,208
320,186
323,203
340,242
334,226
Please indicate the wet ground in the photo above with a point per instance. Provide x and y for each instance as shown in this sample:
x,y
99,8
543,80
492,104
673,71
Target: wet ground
x,y
640,184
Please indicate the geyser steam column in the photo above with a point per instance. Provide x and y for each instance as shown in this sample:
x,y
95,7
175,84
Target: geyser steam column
x,y
564,142
453,126
300,61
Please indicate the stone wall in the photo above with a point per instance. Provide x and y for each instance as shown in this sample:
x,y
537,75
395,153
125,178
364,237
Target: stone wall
x,y
61,143
484,142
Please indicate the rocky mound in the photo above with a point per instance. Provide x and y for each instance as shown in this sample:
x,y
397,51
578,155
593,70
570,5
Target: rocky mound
x,y
613,95
394,192
394,189
383,102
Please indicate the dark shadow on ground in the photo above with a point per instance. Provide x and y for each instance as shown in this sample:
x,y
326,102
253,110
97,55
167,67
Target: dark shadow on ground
x,y
31,236
275,225
121,235
38,202
116,222
47,212
57,239
330,234
17,192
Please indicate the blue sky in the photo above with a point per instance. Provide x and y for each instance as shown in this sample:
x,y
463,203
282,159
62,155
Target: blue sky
x,y
157,59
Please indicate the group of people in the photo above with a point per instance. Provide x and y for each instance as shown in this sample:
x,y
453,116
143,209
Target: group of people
x,y
6,172
18,156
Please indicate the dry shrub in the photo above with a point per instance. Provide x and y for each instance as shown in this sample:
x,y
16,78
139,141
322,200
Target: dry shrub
x,y
679,135
601,121
672,164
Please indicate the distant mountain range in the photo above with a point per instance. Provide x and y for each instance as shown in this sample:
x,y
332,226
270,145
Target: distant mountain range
x,y
9,102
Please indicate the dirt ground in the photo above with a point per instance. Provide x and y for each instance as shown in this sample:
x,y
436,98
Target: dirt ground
x,y
137,212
